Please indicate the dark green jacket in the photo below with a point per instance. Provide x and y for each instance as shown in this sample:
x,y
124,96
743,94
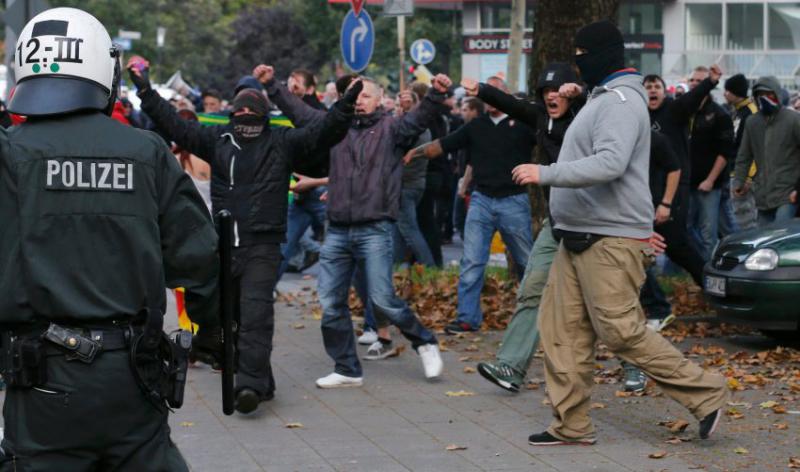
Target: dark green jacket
x,y
774,145
97,218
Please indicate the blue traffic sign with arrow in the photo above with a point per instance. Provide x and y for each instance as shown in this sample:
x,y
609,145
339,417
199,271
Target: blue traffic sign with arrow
x,y
358,40
423,51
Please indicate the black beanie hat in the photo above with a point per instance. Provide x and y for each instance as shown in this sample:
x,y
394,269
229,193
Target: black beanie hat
x,y
554,75
252,99
737,85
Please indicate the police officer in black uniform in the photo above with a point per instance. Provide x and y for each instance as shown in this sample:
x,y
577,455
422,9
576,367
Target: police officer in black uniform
x,y
97,219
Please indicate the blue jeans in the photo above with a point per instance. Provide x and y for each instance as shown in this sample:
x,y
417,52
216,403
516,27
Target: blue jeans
x,y
370,247
703,222
727,219
787,211
408,229
509,215
305,211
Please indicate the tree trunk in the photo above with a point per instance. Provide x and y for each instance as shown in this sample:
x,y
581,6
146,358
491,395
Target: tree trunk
x,y
555,25
515,43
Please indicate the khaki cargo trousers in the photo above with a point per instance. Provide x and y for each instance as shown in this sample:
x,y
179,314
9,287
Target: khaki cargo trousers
x,y
595,295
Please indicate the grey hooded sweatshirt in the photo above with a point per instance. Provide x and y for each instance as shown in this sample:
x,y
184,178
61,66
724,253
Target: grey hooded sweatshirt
x,y
600,183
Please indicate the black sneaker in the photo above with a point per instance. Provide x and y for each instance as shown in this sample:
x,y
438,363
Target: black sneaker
x,y
459,327
547,439
247,401
502,375
709,424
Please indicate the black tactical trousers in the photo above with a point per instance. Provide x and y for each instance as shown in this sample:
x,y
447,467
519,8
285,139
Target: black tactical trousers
x,y
679,248
87,417
255,273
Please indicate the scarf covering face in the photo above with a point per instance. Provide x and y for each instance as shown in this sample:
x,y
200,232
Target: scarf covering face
x,y
250,125
605,52
768,105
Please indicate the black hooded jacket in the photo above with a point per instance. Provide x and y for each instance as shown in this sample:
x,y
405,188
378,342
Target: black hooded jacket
x,y
250,178
549,132
672,119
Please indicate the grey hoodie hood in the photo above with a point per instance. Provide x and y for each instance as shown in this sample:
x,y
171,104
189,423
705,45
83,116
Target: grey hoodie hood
x,y
767,84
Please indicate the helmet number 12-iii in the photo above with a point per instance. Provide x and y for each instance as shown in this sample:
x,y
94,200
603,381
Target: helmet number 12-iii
x,y
65,61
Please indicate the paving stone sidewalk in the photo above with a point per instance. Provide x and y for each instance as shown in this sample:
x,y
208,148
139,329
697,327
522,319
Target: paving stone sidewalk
x,y
397,422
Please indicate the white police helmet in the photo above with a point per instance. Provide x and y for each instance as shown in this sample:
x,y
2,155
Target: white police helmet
x,y
64,62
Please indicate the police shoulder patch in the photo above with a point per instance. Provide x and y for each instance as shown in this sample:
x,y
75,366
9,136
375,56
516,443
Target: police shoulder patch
x,y
89,174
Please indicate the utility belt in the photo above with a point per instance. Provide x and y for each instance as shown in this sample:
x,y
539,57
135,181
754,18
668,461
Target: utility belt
x,y
159,362
576,242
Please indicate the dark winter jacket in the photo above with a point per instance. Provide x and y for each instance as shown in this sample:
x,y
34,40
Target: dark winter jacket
x,y
549,132
711,135
773,143
672,119
250,179
366,168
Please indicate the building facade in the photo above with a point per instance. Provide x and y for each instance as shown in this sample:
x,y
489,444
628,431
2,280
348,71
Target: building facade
x,y
667,37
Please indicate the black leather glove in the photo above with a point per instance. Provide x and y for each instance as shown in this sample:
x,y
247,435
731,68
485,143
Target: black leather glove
x,y
351,95
142,82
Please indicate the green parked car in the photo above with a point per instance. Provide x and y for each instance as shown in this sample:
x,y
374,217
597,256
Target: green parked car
x,y
754,278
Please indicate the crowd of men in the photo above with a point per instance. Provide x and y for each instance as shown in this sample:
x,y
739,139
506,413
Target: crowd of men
x,y
710,174
627,171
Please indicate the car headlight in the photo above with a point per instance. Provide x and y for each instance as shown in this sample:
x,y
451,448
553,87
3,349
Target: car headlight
x,y
763,259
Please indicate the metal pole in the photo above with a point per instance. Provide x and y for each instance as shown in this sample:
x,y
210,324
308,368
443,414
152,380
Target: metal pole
x,y
401,49
515,46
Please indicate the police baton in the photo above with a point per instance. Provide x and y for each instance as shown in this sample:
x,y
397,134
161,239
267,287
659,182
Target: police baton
x,y
228,310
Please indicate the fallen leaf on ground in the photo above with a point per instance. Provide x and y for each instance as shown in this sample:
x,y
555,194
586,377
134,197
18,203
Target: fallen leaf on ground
x,y
657,455
734,413
469,370
734,384
744,404
460,393
532,386
741,450
187,424
597,406
779,409
794,462
294,425
780,426
769,404
465,359
298,326
676,426
621,394
443,346
455,447
677,440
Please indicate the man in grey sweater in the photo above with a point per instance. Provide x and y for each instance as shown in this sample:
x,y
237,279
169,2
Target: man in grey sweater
x,y
600,202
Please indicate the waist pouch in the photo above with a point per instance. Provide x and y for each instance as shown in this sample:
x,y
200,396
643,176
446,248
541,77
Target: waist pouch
x,y
576,242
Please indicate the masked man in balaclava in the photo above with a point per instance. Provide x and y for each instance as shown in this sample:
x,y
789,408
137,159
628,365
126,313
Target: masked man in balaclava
x,y
250,169
771,141
601,204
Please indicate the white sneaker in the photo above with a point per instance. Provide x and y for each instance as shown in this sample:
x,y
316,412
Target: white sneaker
x,y
368,338
380,351
335,380
431,360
